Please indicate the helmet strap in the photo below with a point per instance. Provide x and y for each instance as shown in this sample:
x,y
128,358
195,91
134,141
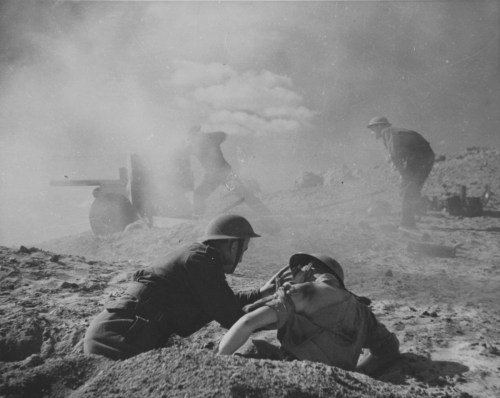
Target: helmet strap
x,y
342,285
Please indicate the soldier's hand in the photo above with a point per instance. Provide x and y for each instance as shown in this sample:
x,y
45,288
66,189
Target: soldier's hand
x,y
268,289
270,286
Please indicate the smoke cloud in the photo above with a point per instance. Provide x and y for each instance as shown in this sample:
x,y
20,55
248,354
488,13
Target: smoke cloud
x,y
84,84
241,103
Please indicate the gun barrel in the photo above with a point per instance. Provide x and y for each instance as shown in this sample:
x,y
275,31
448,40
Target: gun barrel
x,y
73,183
122,181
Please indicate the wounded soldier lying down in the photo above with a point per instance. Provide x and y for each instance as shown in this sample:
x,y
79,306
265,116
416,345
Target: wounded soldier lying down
x,y
319,320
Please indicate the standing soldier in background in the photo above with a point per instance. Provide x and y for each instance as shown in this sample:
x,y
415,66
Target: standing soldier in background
x,y
412,156
206,147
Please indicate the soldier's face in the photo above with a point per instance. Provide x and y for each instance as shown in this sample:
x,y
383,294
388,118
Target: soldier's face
x,y
303,274
376,131
244,249
233,256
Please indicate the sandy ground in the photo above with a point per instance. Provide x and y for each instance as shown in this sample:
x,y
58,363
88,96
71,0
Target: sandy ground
x,y
443,304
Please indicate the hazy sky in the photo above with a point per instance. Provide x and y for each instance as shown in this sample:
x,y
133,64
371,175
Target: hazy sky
x,y
294,83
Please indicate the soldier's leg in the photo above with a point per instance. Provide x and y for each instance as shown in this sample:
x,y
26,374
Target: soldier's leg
x,y
422,169
414,176
425,167
409,193
239,189
104,337
119,334
210,183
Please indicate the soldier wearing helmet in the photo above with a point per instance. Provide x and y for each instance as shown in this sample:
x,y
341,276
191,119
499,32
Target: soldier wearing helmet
x,y
412,156
206,148
318,319
179,294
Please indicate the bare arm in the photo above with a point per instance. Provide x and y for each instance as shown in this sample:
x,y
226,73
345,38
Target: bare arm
x,y
244,327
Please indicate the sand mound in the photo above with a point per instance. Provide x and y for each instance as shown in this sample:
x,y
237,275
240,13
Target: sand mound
x,y
181,371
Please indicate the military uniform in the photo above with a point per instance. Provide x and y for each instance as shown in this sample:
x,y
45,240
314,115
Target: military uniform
x,y
178,295
413,157
323,322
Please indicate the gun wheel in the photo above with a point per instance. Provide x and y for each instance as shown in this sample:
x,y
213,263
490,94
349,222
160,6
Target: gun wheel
x,y
111,213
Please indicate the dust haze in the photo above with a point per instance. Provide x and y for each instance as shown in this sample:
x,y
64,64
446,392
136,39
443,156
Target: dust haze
x,y
84,84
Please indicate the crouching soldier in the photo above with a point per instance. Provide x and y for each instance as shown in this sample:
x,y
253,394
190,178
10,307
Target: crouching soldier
x,y
319,320
178,295
412,156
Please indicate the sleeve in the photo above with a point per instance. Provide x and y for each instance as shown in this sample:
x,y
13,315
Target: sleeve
x,y
393,144
248,297
380,341
283,307
216,298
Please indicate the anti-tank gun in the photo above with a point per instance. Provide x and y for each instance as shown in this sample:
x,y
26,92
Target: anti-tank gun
x,y
148,190
112,210
139,193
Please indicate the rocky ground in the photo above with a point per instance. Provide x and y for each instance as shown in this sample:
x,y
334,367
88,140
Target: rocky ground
x,y
437,289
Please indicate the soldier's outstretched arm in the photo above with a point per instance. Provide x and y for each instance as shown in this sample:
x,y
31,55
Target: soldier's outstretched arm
x,y
244,327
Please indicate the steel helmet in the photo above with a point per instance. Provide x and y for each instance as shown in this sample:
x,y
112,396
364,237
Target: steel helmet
x,y
303,258
229,226
382,120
